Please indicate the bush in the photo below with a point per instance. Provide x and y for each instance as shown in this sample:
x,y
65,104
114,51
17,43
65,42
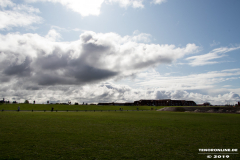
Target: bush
x,y
26,102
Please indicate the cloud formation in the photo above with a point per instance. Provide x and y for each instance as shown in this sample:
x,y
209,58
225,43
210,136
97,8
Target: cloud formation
x,y
203,81
92,58
214,43
41,68
105,92
127,3
158,1
208,58
14,15
83,7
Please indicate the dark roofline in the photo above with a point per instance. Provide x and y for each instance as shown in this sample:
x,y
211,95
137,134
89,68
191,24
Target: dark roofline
x,y
153,99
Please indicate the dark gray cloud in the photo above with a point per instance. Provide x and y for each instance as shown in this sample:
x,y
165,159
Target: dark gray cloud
x,y
51,79
89,74
32,88
54,61
235,96
4,78
21,70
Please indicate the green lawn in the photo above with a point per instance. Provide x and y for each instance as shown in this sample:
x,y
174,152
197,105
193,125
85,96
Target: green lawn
x,y
115,135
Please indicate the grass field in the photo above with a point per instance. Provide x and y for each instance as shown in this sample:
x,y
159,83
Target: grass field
x,y
59,107
115,135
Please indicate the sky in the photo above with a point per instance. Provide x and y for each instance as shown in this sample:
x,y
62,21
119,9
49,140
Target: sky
x,y
120,50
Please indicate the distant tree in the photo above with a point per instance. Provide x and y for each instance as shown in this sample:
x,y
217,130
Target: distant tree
x,y
206,103
26,102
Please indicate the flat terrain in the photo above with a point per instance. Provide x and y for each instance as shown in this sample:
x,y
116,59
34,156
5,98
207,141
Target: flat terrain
x,y
59,107
115,135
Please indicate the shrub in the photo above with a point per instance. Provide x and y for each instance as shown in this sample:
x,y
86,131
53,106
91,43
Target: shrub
x,y
26,102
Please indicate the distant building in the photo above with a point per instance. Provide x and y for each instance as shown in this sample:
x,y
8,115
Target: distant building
x,y
117,104
105,104
152,102
129,104
164,102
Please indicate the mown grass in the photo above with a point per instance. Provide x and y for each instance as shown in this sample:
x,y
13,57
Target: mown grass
x,y
59,107
115,135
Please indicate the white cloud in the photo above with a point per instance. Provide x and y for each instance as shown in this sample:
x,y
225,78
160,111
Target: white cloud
x,y
53,35
93,7
158,1
17,15
127,3
207,58
83,7
214,43
204,81
5,3
227,86
142,37
77,29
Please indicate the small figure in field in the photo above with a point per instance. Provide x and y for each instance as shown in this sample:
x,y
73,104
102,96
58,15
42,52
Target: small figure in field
x,y
52,109
33,102
18,108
